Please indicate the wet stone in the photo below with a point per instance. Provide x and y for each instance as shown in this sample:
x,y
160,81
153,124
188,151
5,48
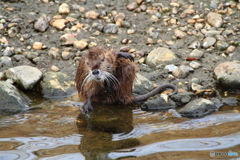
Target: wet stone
x,y
158,103
183,98
198,108
142,85
11,100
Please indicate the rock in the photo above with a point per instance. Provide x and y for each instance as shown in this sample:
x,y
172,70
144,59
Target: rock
x,y
37,45
170,67
8,52
6,61
221,45
13,31
208,42
231,101
198,108
214,19
230,49
132,6
67,39
110,29
42,23
32,55
182,71
179,34
59,24
196,54
142,85
228,75
195,65
91,15
55,68
194,45
183,98
82,44
67,55
53,52
158,103
64,9
56,85
25,77
161,55
11,100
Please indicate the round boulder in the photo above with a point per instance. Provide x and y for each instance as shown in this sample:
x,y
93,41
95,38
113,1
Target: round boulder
x,y
228,75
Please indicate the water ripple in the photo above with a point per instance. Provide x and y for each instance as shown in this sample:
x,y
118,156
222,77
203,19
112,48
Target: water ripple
x,y
72,156
16,155
195,144
210,120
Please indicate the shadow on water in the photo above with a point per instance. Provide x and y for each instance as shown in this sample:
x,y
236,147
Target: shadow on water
x,y
97,130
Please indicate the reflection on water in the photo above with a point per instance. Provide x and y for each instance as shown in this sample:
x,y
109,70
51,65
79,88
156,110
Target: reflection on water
x,y
60,131
196,144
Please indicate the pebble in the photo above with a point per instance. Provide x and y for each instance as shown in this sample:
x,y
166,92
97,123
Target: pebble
x,y
64,9
55,68
8,52
132,6
59,24
38,45
13,31
53,52
196,54
222,45
91,14
6,61
179,34
32,55
42,23
194,45
208,42
170,67
214,19
110,29
67,55
82,44
67,39
195,65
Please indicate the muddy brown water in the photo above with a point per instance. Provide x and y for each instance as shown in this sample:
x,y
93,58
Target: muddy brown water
x,y
59,131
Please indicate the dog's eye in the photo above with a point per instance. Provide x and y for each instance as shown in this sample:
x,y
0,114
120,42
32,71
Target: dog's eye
x,y
102,59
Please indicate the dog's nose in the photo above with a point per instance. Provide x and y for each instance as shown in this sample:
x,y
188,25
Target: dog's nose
x,y
95,72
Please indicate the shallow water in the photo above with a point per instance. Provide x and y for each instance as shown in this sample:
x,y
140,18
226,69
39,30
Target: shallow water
x,y
59,131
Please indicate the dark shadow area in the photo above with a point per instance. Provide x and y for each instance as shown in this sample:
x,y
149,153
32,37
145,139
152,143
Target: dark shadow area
x,y
97,131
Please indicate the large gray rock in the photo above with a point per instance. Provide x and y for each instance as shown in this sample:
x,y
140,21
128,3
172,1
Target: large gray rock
x,y
161,55
57,84
228,75
142,85
198,108
25,76
11,100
